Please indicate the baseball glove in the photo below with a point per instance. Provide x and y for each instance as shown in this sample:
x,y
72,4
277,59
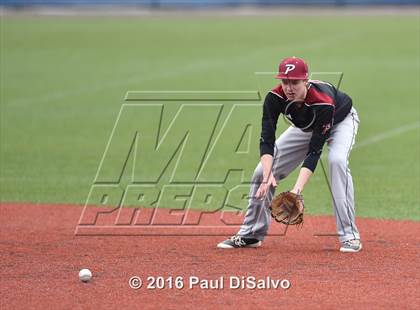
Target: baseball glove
x,y
287,208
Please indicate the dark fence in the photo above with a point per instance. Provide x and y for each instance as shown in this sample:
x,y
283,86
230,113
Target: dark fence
x,y
198,3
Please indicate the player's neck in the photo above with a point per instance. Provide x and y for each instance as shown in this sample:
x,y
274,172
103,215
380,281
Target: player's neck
x,y
305,93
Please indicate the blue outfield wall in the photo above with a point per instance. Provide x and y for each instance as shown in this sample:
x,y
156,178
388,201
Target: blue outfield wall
x,y
198,3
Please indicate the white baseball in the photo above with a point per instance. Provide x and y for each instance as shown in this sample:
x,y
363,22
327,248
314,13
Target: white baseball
x,y
85,275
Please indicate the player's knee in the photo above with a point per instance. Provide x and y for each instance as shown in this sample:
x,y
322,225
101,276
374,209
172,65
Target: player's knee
x,y
337,161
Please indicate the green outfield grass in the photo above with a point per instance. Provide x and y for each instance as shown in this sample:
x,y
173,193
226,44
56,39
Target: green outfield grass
x,y
63,83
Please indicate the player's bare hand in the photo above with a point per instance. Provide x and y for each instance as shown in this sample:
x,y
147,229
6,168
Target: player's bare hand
x,y
265,187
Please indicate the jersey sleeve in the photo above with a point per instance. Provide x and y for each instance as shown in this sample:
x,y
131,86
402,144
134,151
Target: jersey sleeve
x,y
273,106
321,132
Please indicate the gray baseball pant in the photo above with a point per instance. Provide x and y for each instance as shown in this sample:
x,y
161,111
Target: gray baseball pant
x,y
290,151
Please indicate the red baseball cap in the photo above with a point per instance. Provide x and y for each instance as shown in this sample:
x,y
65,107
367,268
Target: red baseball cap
x,y
293,68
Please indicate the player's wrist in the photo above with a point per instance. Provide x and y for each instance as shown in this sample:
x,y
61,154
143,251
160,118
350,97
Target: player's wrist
x,y
267,176
296,190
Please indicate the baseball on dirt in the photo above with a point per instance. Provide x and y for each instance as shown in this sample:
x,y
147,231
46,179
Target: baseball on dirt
x,y
85,275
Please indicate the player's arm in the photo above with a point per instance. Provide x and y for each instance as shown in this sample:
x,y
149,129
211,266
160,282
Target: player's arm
x,y
320,134
303,178
271,111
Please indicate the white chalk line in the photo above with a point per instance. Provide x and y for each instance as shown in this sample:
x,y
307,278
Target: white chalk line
x,y
387,134
382,136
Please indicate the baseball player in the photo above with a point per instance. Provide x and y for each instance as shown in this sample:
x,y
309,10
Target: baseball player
x,y
319,114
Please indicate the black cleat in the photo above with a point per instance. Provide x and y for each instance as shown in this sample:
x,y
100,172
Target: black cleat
x,y
239,242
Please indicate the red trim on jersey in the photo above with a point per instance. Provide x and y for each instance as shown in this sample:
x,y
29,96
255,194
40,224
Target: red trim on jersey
x,y
316,97
278,90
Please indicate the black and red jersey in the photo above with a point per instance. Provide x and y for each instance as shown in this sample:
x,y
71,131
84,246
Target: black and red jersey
x,y
323,107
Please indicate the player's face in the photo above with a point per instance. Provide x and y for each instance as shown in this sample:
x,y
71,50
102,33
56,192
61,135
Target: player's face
x,y
295,89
